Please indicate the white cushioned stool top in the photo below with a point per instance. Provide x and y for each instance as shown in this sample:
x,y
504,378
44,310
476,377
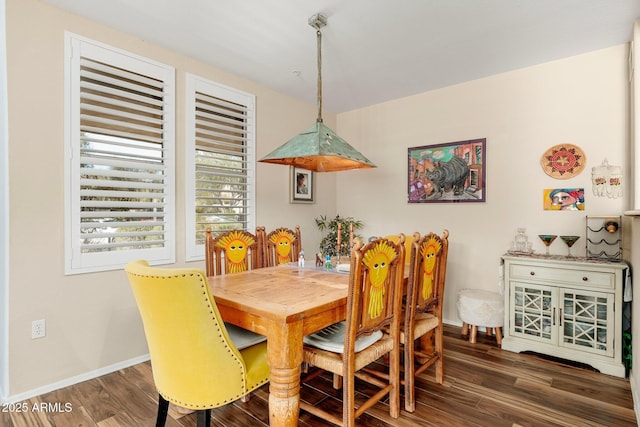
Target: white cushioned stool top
x,y
331,339
481,308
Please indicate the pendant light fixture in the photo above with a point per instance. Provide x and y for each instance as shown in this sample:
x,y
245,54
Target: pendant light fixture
x,y
318,148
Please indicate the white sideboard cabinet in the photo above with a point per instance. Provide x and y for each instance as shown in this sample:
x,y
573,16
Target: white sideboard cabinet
x,y
569,308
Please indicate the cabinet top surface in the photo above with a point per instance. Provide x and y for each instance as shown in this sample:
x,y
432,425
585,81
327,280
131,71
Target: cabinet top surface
x,y
563,260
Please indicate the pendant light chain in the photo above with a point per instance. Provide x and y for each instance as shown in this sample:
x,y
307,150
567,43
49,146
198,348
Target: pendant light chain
x,y
319,37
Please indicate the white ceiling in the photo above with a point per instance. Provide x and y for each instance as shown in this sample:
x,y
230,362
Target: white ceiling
x,y
372,50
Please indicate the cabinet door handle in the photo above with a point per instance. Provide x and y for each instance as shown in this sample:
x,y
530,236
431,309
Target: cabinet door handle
x,y
585,279
560,317
553,317
532,273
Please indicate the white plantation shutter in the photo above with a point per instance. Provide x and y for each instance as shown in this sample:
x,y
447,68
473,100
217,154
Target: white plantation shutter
x,y
120,158
220,161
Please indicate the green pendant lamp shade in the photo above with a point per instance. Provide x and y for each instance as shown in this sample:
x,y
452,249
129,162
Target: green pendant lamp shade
x,y
318,148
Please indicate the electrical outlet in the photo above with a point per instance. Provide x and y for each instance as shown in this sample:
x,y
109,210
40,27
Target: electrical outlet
x,y
38,329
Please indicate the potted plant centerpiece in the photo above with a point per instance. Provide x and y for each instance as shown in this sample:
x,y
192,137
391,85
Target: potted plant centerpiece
x,y
329,243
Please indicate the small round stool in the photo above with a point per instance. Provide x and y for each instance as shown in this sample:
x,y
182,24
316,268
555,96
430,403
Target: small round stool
x,y
478,307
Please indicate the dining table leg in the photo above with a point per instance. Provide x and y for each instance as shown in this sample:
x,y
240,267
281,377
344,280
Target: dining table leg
x,y
284,353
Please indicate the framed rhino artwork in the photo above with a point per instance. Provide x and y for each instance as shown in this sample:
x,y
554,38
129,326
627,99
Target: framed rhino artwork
x,y
453,172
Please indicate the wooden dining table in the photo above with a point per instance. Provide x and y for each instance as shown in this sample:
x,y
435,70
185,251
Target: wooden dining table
x,y
284,303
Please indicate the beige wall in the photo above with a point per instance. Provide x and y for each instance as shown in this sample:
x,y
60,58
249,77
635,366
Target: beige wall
x,y
581,100
92,320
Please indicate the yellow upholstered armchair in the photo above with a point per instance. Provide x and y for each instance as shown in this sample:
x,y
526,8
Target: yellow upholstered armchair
x,y
197,362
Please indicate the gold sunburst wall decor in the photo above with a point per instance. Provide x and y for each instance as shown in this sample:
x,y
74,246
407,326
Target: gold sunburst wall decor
x,y
563,161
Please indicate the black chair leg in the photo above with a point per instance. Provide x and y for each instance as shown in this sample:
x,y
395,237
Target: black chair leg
x,y
203,418
163,408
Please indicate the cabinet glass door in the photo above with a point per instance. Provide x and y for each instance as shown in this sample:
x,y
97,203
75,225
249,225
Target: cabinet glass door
x,y
532,313
587,321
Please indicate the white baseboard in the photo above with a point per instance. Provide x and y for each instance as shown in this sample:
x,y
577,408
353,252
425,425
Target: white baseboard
x,y
75,380
452,322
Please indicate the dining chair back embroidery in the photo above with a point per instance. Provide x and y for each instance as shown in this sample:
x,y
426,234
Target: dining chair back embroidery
x,y
197,362
423,311
373,306
283,245
237,250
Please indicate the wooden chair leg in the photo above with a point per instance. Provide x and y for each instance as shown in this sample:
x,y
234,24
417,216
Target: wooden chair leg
x,y
474,332
394,381
163,408
499,336
465,329
489,331
439,351
245,398
435,348
425,344
409,377
337,381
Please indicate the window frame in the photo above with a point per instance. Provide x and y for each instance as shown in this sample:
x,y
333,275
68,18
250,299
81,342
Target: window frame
x,y
193,83
76,261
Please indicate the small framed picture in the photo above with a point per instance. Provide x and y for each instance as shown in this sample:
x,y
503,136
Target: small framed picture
x,y
563,199
301,186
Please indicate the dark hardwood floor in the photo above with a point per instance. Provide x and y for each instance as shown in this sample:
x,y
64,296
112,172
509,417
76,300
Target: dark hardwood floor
x,y
484,386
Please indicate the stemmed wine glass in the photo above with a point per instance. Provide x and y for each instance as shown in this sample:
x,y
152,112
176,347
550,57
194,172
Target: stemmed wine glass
x,y
569,240
547,239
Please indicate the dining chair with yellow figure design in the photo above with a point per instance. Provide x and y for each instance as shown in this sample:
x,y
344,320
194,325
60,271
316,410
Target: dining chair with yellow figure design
x,y
283,245
198,363
240,250
423,311
370,331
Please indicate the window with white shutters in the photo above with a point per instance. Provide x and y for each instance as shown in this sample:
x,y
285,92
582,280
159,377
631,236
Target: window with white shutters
x,y
220,164
120,158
